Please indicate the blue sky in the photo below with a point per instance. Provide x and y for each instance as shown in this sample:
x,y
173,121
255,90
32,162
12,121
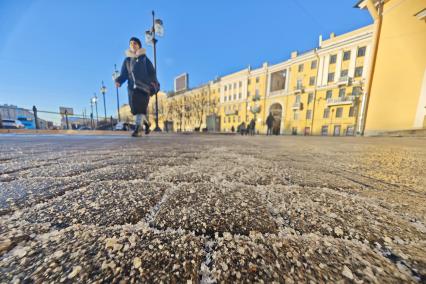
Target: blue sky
x,y
56,52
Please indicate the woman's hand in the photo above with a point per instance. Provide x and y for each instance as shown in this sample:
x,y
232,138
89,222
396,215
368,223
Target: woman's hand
x,y
118,85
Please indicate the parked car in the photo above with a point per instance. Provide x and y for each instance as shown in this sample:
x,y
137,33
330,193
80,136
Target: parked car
x,y
84,127
12,124
124,126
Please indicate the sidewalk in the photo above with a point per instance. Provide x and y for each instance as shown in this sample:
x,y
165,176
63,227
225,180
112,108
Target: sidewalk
x,y
210,209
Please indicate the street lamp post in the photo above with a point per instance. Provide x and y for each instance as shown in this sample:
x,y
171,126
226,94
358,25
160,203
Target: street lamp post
x,y
115,75
95,101
156,29
103,91
91,114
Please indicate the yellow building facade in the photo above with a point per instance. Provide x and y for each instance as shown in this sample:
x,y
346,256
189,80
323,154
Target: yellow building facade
x,y
396,88
319,92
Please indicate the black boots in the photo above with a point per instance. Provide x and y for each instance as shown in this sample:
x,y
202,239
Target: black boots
x,y
147,125
137,132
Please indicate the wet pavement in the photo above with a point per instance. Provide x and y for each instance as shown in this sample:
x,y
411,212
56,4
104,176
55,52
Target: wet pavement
x,y
212,209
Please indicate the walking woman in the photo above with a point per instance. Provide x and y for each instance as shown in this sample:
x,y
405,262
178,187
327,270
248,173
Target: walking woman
x,y
142,83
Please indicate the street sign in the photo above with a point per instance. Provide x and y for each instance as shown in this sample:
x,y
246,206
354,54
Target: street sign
x,y
181,82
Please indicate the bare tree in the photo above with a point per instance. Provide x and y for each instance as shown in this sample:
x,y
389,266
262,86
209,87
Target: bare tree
x,y
199,108
187,109
214,106
176,111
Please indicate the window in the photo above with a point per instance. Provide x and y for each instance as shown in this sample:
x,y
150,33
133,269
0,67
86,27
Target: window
x,y
248,94
257,92
224,120
330,77
356,91
239,119
298,99
342,92
310,97
229,119
299,84
257,79
235,85
313,64
351,112
358,71
224,98
226,88
278,80
326,113
344,73
239,95
309,114
295,115
350,130
229,98
346,55
336,130
240,84
312,81
361,51
339,112
230,86
329,94
324,130
333,59
248,82
300,68
233,118
235,96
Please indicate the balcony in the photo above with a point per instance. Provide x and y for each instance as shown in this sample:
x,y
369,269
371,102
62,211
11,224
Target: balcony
x,y
296,106
341,101
345,80
299,89
231,112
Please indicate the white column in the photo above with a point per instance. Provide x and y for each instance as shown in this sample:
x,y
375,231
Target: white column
x,y
325,70
366,64
287,79
351,71
338,66
320,71
268,83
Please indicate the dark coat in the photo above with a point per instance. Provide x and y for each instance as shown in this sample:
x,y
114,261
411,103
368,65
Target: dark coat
x,y
141,79
270,121
252,124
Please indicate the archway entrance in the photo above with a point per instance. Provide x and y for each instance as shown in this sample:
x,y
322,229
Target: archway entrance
x,y
277,111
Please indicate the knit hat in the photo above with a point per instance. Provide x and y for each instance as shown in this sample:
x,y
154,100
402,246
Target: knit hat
x,y
135,39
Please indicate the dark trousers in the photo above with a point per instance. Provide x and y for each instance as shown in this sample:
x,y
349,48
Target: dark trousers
x,y
138,101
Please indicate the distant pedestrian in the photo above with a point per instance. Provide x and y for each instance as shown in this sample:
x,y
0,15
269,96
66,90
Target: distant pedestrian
x,y
232,129
269,123
142,83
252,127
243,128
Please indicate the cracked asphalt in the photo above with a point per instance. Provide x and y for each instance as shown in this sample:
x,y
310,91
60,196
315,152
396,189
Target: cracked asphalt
x,y
212,209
